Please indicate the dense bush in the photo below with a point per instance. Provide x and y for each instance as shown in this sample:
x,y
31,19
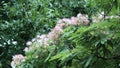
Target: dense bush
x,y
43,42
79,46
21,20
96,46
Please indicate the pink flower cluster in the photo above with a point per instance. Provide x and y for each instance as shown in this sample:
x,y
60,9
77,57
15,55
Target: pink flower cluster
x,y
46,39
58,29
17,59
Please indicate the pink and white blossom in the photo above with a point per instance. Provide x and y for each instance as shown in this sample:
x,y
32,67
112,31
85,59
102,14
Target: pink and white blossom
x,y
17,60
46,39
29,43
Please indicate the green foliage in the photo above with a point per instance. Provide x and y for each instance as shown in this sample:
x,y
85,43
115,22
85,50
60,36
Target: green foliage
x,y
21,20
96,46
102,39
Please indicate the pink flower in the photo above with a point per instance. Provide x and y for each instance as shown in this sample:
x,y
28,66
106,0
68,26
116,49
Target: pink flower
x,y
53,36
43,36
17,60
67,21
61,25
79,15
57,29
74,21
46,42
43,40
29,43
83,19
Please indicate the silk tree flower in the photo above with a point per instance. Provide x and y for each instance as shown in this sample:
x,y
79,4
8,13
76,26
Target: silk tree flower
x,y
43,36
79,15
39,41
86,21
38,37
17,60
67,21
53,36
46,42
29,43
42,40
58,29
55,33
74,21
83,19
61,24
